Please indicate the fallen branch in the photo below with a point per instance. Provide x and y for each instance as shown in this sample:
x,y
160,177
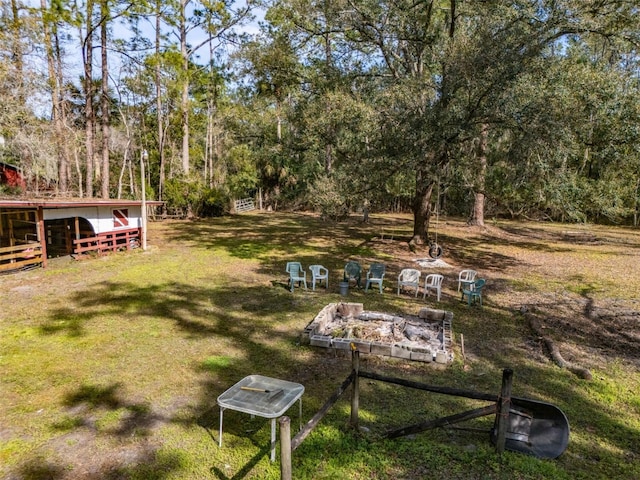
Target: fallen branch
x,y
554,351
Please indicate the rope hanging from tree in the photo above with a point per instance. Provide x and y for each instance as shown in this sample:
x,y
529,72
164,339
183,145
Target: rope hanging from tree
x,y
435,250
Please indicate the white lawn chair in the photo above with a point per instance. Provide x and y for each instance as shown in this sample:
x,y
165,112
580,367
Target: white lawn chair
x,y
433,282
466,278
409,277
319,273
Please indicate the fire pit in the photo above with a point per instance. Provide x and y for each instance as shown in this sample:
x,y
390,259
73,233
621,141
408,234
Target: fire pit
x,y
424,337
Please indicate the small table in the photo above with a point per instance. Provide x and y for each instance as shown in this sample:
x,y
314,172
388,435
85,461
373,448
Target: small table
x,y
262,396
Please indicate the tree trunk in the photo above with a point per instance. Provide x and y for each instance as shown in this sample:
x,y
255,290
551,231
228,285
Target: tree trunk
x,y
421,209
160,120
184,104
477,214
636,212
17,48
67,177
328,160
88,92
54,85
104,190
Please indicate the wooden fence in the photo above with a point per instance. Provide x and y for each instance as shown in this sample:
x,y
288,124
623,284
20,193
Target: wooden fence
x,y
500,405
20,256
108,242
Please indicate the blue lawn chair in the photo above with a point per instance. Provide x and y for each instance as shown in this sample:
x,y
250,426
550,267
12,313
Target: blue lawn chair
x,y
296,274
474,291
375,275
352,271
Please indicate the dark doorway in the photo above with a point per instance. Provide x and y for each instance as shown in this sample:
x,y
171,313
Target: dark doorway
x,y
61,232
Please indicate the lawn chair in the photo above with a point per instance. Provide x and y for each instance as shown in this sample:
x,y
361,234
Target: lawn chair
x,y
466,278
352,271
375,275
409,277
474,291
433,282
319,273
296,274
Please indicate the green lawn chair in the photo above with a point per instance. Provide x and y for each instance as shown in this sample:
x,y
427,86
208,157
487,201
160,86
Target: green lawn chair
x,y
375,275
352,271
474,291
296,274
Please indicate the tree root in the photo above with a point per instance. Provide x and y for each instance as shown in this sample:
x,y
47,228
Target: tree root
x,y
554,351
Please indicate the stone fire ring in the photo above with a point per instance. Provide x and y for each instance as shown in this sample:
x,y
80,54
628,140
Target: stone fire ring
x,y
426,337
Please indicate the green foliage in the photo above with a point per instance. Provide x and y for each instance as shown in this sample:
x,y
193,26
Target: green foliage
x,y
192,197
214,202
243,174
329,196
389,95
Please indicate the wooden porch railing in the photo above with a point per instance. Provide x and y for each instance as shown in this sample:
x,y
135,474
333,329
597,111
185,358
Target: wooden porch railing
x,y
108,242
20,256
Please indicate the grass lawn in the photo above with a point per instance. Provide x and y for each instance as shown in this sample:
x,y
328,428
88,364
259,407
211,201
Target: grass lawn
x,y
110,367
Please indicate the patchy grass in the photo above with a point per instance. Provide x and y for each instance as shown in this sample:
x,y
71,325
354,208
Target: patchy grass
x,y
110,367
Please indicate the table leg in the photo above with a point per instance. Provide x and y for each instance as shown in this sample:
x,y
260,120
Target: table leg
x,y
273,439
220,436
300,415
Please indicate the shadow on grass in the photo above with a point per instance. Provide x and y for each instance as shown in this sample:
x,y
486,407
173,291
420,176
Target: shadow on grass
x,y
41,469
135,419
148,466
209,421
246,469
252,319
190,309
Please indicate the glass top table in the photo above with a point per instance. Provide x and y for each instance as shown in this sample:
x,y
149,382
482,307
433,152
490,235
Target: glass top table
x,y
262,396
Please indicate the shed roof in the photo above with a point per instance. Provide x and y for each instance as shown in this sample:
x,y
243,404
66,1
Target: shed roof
x,y
72,202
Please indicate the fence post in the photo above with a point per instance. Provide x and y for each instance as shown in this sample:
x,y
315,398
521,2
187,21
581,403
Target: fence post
x,y
285,447
504,406
355,392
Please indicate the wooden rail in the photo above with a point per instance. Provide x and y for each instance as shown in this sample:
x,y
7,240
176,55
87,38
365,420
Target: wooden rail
x,y
499,407
108,242
20,256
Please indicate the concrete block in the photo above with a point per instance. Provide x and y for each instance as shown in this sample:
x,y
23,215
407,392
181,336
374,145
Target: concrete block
x,y
321,341
399,351
379,348
441,356
341,343
361,345
431,314
422,356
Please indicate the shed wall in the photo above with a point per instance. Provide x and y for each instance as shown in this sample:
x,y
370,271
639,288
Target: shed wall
x,y
102,218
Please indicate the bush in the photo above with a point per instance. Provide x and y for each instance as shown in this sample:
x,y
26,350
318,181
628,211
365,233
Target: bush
x,y
214,203
326,195
195,199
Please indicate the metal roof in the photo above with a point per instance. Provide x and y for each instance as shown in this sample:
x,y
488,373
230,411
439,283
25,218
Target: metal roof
x,y
73,202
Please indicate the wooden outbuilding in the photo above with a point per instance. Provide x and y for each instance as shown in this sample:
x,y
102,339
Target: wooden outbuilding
x,y
11,176
31,231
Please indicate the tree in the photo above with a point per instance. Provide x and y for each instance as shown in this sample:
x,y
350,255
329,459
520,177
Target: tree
x,y
51,17
87,37
217,20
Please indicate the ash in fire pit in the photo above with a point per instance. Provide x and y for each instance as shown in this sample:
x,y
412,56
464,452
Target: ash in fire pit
x,y
424,337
